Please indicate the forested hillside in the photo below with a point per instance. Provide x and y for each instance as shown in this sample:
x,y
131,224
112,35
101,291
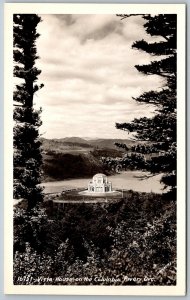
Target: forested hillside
x,y
59,166
79,158
128,242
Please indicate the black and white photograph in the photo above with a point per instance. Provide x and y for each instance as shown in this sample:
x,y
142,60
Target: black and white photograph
x,y
97,108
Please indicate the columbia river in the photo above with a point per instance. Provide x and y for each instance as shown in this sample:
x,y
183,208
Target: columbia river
x,y
128,180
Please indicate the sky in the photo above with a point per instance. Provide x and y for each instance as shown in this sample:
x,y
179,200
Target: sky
x,y
88,71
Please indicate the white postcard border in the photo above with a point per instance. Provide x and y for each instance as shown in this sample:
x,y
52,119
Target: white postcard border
x,y
52,8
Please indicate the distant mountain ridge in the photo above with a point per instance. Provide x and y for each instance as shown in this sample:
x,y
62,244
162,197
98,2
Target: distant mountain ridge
x,y
85,143
72,140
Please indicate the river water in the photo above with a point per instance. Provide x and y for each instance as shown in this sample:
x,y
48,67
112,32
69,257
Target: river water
x,y
129,180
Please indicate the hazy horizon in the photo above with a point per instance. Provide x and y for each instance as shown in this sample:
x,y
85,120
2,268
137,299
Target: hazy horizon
x,y
86,138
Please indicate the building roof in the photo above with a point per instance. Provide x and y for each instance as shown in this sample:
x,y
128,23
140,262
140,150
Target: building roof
x,y
99,175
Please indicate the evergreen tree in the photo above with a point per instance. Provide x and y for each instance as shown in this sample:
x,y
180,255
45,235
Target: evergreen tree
x,y
158,132
27,153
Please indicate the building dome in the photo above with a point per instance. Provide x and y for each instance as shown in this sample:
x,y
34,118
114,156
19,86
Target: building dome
x,y
99,175
99,178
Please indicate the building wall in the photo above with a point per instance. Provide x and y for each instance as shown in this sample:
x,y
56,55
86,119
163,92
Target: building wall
x,y
99,188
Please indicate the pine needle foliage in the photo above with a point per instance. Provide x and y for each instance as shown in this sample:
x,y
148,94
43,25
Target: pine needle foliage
x,y
160,129
27,152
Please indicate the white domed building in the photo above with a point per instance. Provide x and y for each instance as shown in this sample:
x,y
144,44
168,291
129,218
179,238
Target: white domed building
x,y
99,184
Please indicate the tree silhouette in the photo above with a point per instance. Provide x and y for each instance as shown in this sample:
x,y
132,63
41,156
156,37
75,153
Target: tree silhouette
x,y
27,153
158,132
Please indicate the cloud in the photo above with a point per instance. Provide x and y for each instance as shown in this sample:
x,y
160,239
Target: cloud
x,y
87,27
88,70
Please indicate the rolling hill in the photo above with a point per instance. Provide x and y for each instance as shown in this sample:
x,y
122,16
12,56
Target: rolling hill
x,y
68,144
